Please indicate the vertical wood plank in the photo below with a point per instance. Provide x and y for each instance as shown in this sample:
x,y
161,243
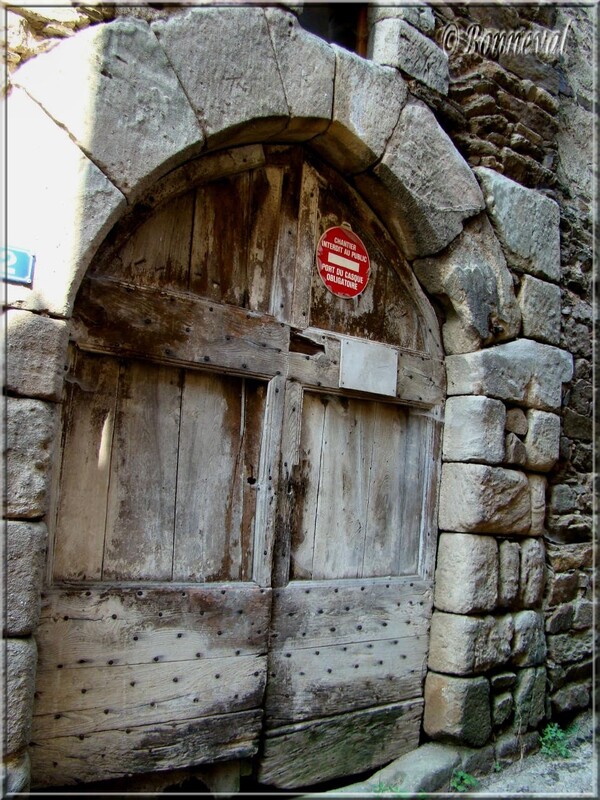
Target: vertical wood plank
x,y
342,504
220,241
263,236
308,233
141,496
88,435
383,541
268,482
254,414
158,252
306,486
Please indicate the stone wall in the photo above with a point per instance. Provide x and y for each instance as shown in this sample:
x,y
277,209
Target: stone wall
x,y
524,122
511,635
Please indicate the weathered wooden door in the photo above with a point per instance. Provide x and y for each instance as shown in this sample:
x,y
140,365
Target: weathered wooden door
x,y
242,530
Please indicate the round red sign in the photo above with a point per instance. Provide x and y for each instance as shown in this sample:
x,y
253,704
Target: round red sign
x,y
343,262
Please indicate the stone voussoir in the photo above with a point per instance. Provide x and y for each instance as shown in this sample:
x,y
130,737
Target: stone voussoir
x,y
526,222
433,188
138,105
473,281
525,372
368,99
307,67
233,81
475,498
68,186
396,43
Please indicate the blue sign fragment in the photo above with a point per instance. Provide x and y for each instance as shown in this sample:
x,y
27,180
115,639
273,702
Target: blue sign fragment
x,y
18,266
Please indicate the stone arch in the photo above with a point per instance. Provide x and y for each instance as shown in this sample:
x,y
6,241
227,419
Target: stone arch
x,y
152,114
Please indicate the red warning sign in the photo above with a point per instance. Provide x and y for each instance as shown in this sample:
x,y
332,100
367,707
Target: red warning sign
x,y
343,262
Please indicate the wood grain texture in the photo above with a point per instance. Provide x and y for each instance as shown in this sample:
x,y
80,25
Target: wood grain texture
x,y
87,435
87,627
167,745
177,328
311,752
141,493
221,419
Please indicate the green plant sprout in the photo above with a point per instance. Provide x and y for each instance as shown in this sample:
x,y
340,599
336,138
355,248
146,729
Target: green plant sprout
x,y
555,741
462,782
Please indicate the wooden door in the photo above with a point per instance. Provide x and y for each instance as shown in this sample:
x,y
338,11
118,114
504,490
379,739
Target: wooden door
x,y
242,525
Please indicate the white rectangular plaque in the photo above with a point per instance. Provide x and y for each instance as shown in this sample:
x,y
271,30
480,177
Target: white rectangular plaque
x,y
368,367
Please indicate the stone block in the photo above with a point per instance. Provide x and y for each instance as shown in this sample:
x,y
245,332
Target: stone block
x,y
466,575
480,499
563,498
502,680
502,708
524,371
137,104
510,746
529,642
25,560
529,698
368,99
30,433
422,203
307,67
395,43
571,698
526,222
17,775
540,310
578,426
233,84
566,647
20,666
508,573
457,709
418,14
561,587
461,645
474,430
559,675
425,769
561,619
516,421
537,488
476,760
583,614
532,573
473,282
542,442
514,451
68,187
36,349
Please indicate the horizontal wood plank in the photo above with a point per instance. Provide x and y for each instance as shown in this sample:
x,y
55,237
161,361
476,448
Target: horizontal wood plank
x,y
304,613
312,752
73,702
178,328
168,745
306,683
83,628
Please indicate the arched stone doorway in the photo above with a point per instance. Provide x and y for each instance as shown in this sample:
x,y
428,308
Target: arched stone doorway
x,y
422,209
